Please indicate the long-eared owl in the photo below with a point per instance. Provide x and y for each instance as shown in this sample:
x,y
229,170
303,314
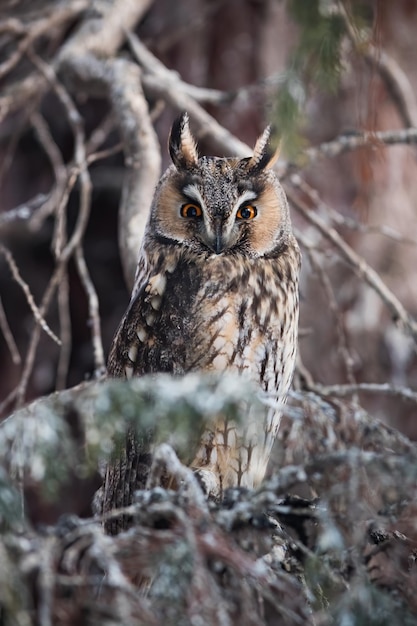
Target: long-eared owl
x,y
216,289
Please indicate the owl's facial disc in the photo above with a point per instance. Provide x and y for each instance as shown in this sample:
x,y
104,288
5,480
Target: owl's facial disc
x,y
218,227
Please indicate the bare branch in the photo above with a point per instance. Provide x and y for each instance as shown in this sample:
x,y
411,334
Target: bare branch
x,y
65,332
165,460
102,36
403,393
37,313
93,307
11,344
371,277
19,392
20,93
57,164
395,79
101,133
161,82
24,211
105,153
55,19
342,340
202,95
371,139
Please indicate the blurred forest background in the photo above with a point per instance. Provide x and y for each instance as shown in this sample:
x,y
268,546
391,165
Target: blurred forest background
x,y
88,94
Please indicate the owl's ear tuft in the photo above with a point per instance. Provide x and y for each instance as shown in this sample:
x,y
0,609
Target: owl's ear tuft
x,y
181,144
264,155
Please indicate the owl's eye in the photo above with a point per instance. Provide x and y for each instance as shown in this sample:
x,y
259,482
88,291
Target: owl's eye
x,y
191,210
246,212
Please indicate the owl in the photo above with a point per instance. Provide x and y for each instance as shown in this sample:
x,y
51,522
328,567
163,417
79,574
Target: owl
x,y
216,289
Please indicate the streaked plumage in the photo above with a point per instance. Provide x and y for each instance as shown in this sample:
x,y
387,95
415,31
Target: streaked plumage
x,y
216,289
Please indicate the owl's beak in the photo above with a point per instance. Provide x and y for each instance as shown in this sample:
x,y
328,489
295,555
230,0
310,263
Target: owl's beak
x,y
219,244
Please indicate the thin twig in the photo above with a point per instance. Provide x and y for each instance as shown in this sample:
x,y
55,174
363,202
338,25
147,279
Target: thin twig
x,y
202,95
404,393
371,229
370,139
9,399
8,336
80,161
100,133
56,18
105,153
29,298
20,391
57,163
395,79
348,222
343,347
399,314
65,332
77,234
162,82
166,460
93,306
24,211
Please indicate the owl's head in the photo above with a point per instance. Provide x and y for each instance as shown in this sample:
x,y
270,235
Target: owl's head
x,y
215,205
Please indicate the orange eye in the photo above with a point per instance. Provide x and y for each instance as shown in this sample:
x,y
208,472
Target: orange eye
x,y
191,210
246,212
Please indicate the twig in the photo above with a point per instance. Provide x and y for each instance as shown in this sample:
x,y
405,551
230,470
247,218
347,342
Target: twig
x,y
93,307
20,391
23,211
372,139
152,65
13,26
369,229
36,29
37,313
394,77
59,237
57,164
404,393
100,37
80,226
8,336
341,332
16,136
160,81
9,399
398,312
105,153
101,42
348,222
100,133
19,94
165,459
65,332
80,161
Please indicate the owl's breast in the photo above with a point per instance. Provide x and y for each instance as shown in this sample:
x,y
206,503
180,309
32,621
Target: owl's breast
x,y
215,314
246,319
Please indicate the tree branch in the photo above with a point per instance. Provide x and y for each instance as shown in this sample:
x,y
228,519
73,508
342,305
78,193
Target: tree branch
x,y
399,314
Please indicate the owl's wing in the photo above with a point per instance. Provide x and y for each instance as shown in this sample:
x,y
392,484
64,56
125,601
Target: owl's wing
x,y
123,352
129,472
118,356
